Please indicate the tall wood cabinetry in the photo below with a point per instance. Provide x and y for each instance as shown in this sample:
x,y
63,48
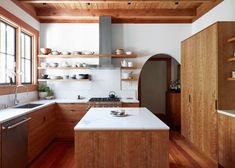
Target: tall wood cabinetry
x,y
205,69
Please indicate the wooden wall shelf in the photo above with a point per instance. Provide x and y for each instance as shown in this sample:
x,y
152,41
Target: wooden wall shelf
x,y
62,80
42,68
231,59
231,79
128,68
131,79
231,40
89,56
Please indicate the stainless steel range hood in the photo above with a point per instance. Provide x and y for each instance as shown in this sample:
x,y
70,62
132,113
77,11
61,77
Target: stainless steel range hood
x,y
105,41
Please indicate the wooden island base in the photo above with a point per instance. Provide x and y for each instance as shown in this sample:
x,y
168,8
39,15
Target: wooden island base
x,y
122,149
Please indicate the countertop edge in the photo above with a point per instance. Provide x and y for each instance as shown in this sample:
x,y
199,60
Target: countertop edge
x,y
227,113
51,102
123,129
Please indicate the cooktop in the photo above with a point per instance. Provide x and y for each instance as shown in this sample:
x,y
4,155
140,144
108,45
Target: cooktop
x,y
104,99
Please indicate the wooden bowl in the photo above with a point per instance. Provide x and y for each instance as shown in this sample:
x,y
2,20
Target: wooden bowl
x,y
45,51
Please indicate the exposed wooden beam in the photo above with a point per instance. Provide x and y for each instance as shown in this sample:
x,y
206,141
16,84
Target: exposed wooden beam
x,y
108,1
27,8
43,13
204,8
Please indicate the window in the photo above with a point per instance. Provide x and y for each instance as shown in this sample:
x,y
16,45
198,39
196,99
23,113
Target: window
x,y
26,58
7,53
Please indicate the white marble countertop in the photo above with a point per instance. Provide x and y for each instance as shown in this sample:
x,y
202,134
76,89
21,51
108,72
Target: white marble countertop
x,y
11,113
230,113
138,119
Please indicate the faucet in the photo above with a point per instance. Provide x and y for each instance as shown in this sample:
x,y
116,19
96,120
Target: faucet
x,y
16,101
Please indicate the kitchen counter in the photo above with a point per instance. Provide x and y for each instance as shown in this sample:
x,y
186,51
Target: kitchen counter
x,y
230,113
11,113
137,119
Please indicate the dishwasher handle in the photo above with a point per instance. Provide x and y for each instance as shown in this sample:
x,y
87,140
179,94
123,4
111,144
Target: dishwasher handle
x,y
17,124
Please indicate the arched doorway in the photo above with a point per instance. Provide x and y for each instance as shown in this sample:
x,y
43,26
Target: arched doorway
x,y
159,88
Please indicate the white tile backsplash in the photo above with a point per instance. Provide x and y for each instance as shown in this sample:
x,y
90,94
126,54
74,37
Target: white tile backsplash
x,y
22,97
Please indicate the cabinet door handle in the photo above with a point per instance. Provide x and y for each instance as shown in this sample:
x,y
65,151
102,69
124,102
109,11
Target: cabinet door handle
x,y
216,104
17,124
189,98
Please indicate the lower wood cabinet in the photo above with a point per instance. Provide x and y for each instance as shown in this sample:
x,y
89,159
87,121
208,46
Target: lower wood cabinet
x,y
173,109
67,116
226,134
130,104
41,130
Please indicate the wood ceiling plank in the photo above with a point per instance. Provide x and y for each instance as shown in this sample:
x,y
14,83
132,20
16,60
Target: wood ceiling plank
x,y
107,1
116,12
27,8
204,8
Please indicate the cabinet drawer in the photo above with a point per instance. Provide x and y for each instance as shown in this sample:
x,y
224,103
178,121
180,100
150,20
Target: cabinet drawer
x,y
130,104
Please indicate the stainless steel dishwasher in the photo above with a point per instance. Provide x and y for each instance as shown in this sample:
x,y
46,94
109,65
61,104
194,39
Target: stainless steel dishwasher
x,y
15,143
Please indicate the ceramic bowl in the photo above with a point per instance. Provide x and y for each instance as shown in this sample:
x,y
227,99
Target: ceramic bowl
x,y
45,51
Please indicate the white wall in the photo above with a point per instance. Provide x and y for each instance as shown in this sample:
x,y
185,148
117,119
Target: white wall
x,y
17,11
223,12
150,39
144,39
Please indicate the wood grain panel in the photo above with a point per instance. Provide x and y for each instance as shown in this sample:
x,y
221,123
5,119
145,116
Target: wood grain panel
x,y
173,109
187,67
130,104
41,131
226,141
122,149
67,116
199,90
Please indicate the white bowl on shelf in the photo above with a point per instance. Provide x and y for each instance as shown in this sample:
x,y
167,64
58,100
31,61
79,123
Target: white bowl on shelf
x,y
129,52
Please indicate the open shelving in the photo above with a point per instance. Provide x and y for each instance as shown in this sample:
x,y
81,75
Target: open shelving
x,y
89,56
231,59
231,79
45,68
62,80
130,79
128,68
231,40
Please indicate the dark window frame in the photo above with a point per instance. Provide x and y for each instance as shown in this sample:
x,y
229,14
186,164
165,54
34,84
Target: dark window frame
x,y
6,54
23,58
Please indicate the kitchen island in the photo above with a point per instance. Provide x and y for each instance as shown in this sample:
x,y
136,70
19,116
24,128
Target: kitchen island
x,y
139,140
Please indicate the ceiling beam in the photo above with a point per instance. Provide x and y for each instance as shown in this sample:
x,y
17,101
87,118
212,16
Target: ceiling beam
x,y
204,8
43,13
109,1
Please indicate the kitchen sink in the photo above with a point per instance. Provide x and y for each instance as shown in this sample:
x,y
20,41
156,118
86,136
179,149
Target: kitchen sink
x,y
28,106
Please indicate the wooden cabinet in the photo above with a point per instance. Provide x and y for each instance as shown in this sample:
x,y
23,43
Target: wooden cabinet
x,y
67,116
130,104
173,109
40,130
205,86
226,141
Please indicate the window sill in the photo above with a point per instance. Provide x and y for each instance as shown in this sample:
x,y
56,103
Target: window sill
x,y
7,89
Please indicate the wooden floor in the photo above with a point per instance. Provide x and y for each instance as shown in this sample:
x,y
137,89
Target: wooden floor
x,y
182,155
